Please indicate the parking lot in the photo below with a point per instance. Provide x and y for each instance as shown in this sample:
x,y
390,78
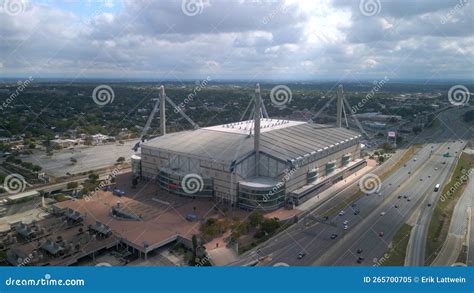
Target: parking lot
x,y
88,158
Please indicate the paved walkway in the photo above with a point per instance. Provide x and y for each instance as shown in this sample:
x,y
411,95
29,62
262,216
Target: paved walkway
x,y
219,253
323,196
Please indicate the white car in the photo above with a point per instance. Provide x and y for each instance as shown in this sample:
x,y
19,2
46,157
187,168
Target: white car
x,y
346,227
346,222
382,214
341,213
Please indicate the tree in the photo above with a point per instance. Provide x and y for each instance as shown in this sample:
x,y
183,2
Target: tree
x,y
270,225
387,147
399,139
120,160
381,159
36,168
255,218
10,159
195,243
73,160
93,177
72,185
416,129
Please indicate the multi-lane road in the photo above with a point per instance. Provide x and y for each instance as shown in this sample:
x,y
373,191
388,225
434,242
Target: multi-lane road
x,y
458,229
417,243
361,233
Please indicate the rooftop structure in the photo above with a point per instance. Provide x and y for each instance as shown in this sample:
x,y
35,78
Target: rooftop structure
x,y
247,163
283,139
22,196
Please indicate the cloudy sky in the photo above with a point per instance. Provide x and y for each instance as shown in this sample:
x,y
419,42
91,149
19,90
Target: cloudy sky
x,y
238,39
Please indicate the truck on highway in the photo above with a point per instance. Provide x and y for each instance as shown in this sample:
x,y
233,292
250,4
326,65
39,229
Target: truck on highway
x,y
436,187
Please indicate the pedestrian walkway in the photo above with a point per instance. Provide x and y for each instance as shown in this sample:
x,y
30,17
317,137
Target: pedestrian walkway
x,y
323,196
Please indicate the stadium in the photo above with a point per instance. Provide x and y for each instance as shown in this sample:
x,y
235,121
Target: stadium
x,y
260,164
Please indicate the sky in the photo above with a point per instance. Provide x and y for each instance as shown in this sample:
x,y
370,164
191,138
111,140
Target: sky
x,y
238,39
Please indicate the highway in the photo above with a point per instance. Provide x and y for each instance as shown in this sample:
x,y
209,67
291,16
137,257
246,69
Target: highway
x,y
419,188
417,243
408,188
458,229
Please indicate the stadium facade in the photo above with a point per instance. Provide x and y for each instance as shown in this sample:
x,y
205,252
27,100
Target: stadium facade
x,y
254,164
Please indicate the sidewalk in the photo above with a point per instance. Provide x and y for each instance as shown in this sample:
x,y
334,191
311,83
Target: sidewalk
x,y
323,196
219,253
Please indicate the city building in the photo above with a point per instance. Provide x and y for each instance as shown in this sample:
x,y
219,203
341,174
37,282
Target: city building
x,y
65,143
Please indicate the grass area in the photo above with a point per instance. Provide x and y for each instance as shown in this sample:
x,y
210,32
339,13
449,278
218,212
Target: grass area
x,y
3,259
250,241
436,123
412,150
395,256
441,219
60,197
462,257
405,158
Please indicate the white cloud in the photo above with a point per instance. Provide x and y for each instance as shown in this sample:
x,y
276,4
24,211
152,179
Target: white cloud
x,y
241,39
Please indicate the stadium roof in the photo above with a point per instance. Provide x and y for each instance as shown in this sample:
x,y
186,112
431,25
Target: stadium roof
x,y
285,141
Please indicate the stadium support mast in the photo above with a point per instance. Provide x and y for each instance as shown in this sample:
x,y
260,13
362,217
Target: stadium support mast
x,y
162,110
256,138
340,97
